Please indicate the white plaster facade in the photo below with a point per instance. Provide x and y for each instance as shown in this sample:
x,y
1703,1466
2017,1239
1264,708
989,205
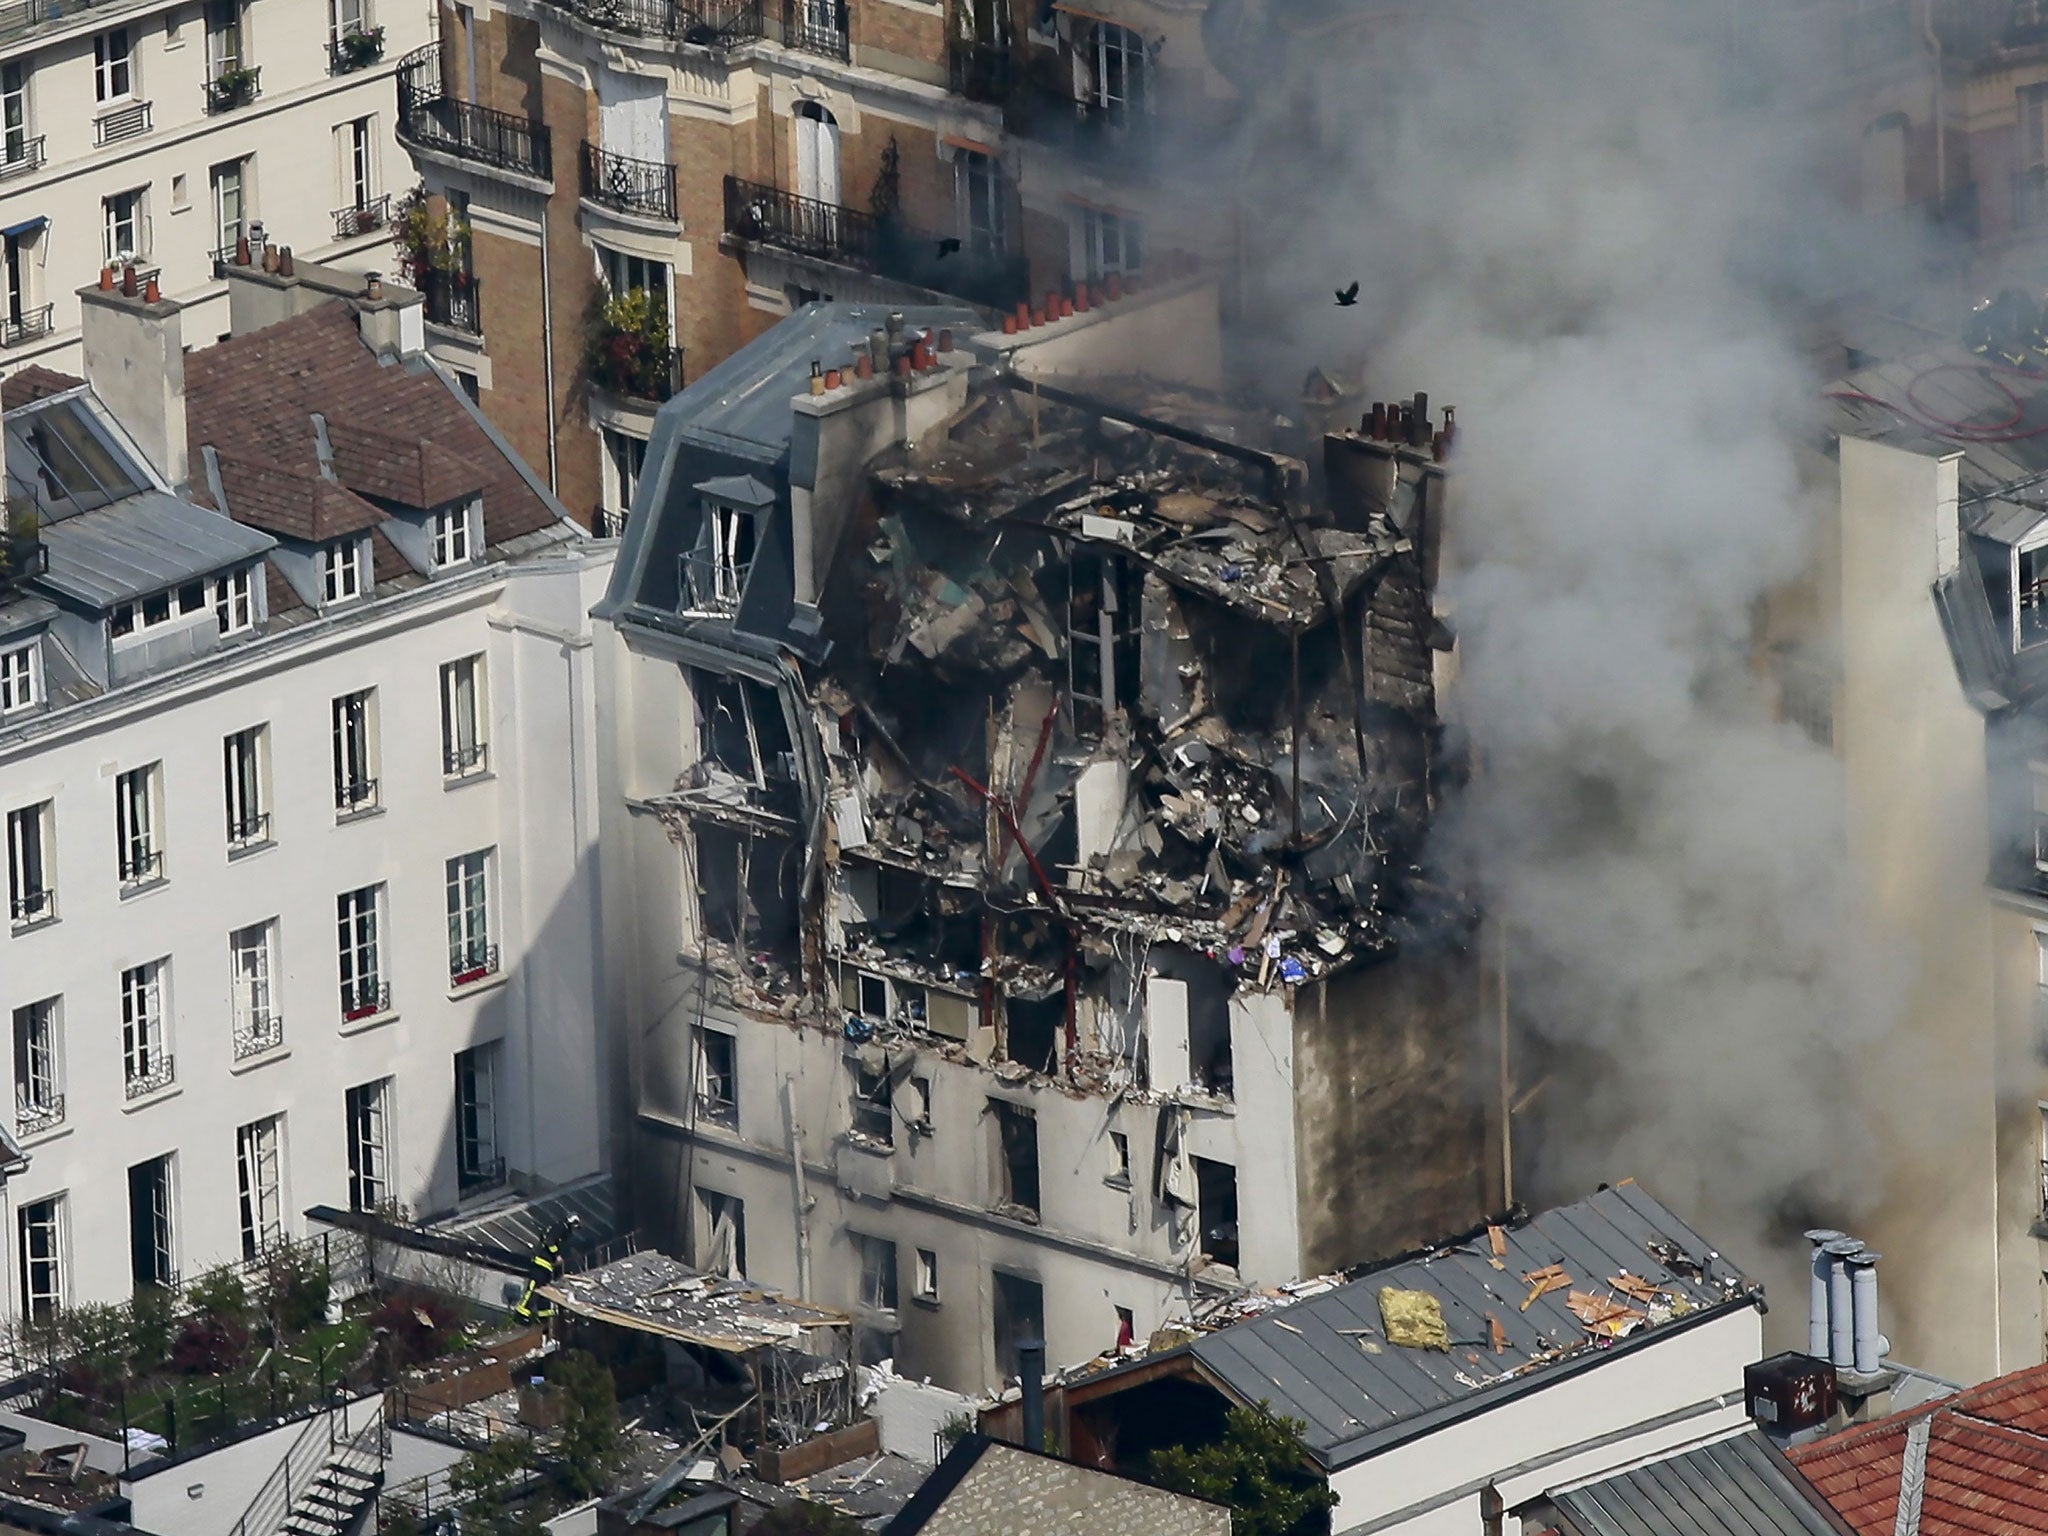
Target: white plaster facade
x,y
534,810
296,143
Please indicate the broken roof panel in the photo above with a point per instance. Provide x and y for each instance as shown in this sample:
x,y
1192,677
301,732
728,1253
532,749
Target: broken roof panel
x,y
653,1293
1326,1361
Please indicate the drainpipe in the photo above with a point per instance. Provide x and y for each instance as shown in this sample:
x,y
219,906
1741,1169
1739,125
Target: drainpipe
x,y
1940,113
1031,1374
547,346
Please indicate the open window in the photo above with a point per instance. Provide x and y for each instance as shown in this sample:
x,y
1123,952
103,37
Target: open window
x,y
2030,591
874,1113
1019,1316
746,893
741,729
724,1227
1032,1029
715,572
1016,1156
1216,1211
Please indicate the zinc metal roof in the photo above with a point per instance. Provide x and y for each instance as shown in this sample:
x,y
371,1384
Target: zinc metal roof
x,y
143,544
742,405
520,1225
1736,1486
1327,1361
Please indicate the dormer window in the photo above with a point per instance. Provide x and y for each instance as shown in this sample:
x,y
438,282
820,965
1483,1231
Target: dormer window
x,y
234,603
17,678
451,537
718,569
341,572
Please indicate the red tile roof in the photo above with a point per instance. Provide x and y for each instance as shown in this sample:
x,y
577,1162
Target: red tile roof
x,y
401,436
26,385
1987,1463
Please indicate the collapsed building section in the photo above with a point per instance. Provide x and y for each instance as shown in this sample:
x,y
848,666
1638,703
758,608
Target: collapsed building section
x,y
1067,752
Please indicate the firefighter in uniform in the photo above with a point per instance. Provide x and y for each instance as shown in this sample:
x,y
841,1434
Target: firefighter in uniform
x,y
544,1268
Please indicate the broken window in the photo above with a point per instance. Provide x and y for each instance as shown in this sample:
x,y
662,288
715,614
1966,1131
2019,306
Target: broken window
x,y
1216,1211
1187,1025
2030,595
927,1275
724,1246
874,1116
718,1097
741,728
715,572
1017,1149
1033,1030
746,893
1019,1315
1103,597
877,1272
1120,1148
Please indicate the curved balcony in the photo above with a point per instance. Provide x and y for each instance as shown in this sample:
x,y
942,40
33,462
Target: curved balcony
x,y
430,119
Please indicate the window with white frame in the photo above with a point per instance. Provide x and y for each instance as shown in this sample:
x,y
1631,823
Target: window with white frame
x,y
223,37
38,1067
234,602
243,764
152,1247
14,147
145,1054
113,62
125,227
724,556
341,576
258,1026
623,272
982,193
1118,68
31,871
137,797
346,16
355,751
463,747
718,1095
451,536
358,174
927,1275
471,954
17,678
40,1246
157,610
477,1162
230,204
1111,242
364,990
369,1109
259,1183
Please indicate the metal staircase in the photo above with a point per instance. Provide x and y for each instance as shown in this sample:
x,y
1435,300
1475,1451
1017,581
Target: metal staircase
x,y
326,1481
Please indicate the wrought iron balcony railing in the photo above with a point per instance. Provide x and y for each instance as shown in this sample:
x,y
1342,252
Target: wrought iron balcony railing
x,y
364,999
157,1070
27,326
816,26
364,218
140,865
37,1113
32,907
355,50
629,185
254,1036
461,761
709,25
886,247
454,300
126,122
354,795
234,87
247,831
432,120
20,156
471,962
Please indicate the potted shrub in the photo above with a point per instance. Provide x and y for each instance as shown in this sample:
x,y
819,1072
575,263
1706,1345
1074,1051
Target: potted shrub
x,y
234,86
626,347
428,240
361,47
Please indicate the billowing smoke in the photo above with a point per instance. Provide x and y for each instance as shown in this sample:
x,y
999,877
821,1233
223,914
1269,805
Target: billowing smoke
x,y
1569,221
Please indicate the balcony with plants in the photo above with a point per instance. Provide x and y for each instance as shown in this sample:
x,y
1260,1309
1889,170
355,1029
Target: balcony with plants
x,y
628,349
357,48
433,250
232,86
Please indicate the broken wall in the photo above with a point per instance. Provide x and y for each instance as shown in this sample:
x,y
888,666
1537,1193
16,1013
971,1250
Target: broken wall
x,y
1388,1116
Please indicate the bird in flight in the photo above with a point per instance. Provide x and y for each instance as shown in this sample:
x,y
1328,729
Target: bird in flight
x,y
948,246
1346,297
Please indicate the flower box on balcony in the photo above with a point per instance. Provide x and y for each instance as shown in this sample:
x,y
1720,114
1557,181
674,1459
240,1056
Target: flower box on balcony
x,y
232,87
627,350
358,49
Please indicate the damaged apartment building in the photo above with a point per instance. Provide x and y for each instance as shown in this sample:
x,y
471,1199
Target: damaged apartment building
x,y
1020,799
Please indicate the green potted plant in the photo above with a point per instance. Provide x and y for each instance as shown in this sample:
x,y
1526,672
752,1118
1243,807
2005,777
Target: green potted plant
x,y
361,47
234,86
626,347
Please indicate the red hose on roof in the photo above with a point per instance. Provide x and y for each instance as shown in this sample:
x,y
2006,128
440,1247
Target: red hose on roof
x,y
1959,431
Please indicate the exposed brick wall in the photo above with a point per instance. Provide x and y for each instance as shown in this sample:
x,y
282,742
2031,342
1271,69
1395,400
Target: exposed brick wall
x,y
509,271
572,283
898,29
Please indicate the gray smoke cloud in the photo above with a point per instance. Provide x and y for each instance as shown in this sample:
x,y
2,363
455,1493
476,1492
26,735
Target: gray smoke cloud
x,y
1563,227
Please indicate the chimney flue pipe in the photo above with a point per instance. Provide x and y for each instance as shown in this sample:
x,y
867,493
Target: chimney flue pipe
x,y
1817,1293
1031,1370
1869,1344
1841,1306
